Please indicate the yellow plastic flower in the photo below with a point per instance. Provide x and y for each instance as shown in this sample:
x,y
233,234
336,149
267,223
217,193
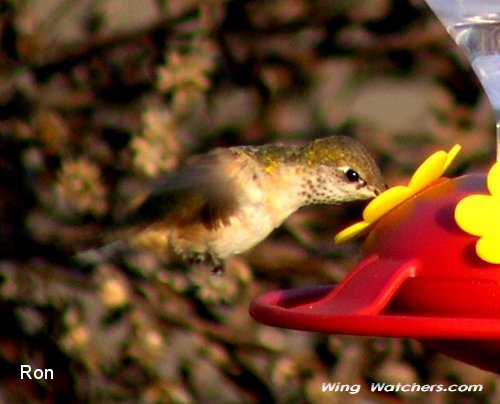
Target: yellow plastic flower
x,y
479,215
429,171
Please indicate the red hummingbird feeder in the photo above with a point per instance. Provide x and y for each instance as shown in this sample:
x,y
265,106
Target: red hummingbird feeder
x,y
420,275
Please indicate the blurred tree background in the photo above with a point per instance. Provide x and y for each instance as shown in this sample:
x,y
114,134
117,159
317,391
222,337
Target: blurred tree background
x,y
97,98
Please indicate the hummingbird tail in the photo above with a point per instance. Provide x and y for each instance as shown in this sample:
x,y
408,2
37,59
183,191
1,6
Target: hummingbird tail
x,y
98,255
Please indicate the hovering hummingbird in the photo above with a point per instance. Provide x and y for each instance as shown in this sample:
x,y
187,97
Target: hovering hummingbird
x,y
228,200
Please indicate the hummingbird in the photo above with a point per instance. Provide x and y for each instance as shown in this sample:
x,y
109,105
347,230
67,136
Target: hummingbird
x,y
228,200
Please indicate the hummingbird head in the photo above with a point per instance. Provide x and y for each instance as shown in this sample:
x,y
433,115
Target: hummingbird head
x,y
343,171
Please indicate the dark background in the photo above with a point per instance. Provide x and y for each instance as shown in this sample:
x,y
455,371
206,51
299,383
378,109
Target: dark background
x,y
97,98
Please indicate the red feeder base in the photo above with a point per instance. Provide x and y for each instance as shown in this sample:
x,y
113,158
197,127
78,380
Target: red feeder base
x,y
419,277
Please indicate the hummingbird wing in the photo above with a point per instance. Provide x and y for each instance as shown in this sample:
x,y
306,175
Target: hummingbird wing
x,y
200,192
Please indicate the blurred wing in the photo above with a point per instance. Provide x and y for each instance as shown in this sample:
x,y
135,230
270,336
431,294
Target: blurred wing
x,y
198,192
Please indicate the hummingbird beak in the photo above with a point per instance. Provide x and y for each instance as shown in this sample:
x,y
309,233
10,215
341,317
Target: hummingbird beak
x,y
377,191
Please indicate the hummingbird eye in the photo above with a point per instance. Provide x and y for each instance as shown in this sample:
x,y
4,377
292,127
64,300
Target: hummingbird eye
x,y
353,176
